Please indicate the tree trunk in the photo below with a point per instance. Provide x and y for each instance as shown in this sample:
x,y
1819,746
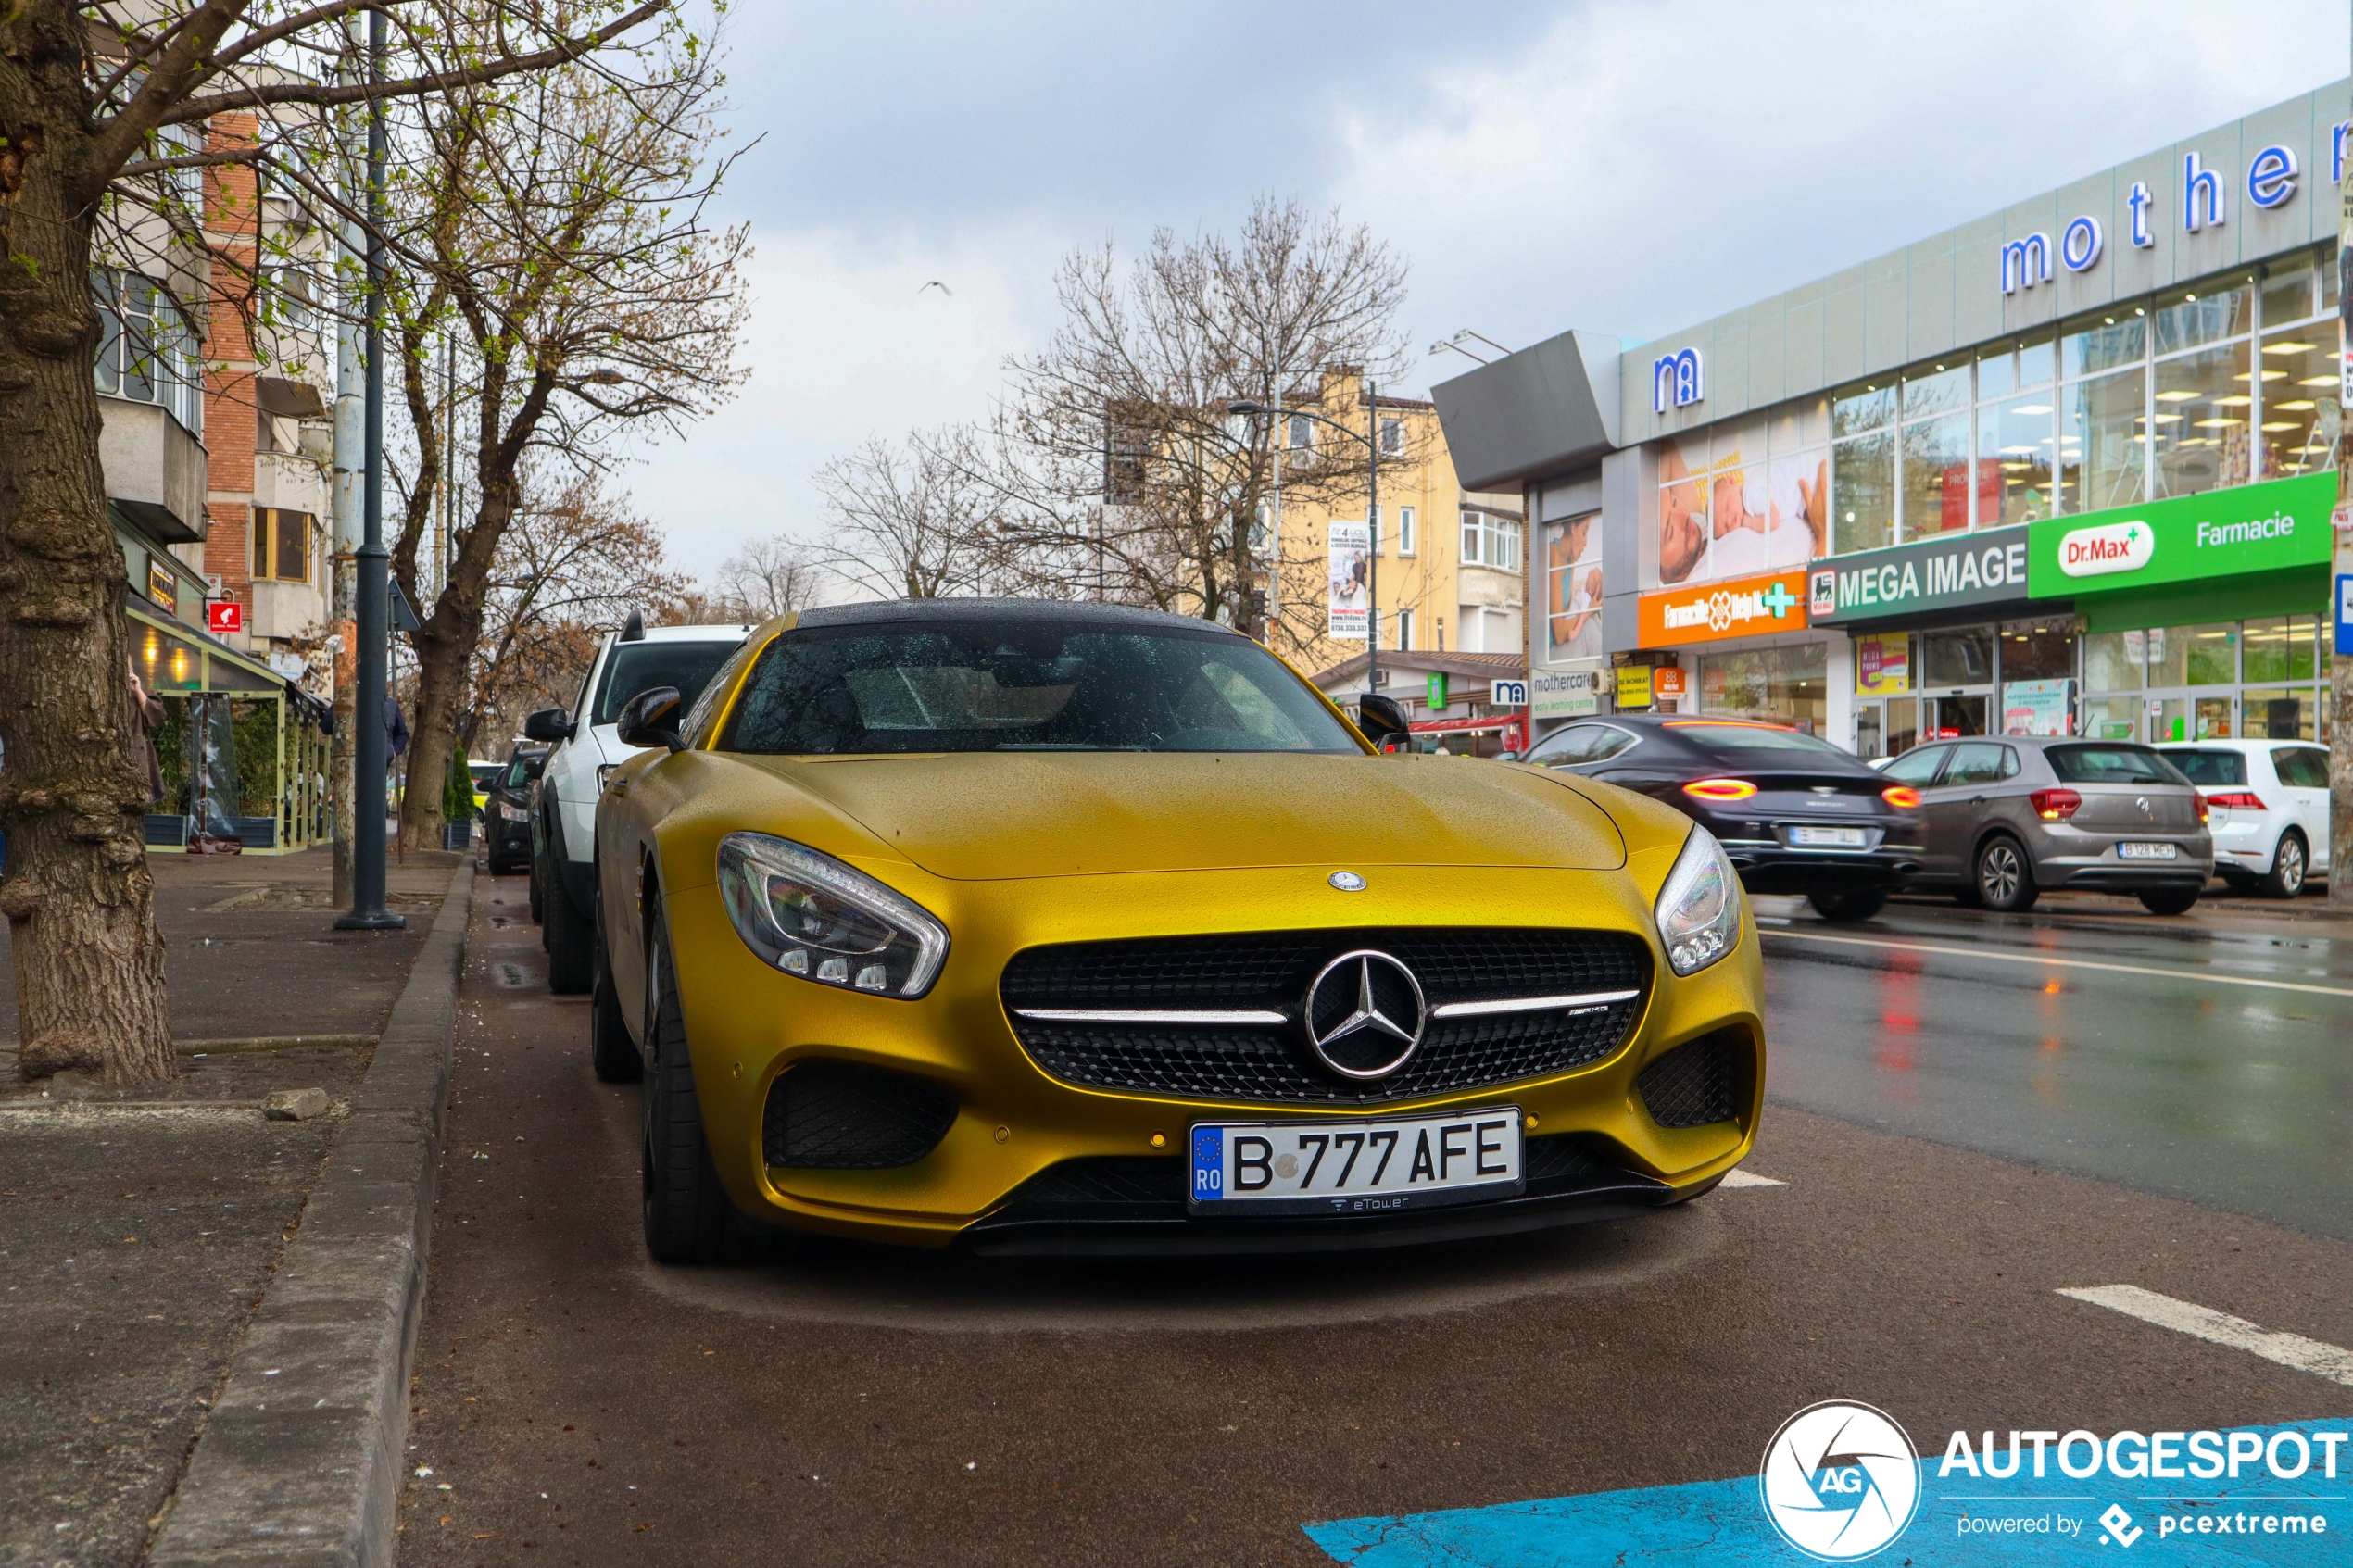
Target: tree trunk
x,y
432,739
74,793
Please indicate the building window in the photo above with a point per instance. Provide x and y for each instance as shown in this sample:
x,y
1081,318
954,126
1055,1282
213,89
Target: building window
x,y
1490,541
1405,629
1404,531
1392,438
1474,537
1302,433
146,352
281,544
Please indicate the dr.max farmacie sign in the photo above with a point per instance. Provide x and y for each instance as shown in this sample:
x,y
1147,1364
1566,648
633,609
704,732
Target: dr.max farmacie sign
x,y
2189,539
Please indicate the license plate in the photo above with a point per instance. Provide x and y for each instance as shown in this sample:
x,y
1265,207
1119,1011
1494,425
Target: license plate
x,y
2147,851
1377,1166
1828,838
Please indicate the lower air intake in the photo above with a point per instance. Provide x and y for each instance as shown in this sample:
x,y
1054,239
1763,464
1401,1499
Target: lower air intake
x,y
826,1115
1697,1083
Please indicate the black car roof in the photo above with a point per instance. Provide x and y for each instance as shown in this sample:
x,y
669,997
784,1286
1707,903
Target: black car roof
x,y
1674,730
949,612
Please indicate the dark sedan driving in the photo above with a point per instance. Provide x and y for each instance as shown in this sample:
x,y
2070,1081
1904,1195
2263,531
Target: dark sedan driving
x,y
1796,814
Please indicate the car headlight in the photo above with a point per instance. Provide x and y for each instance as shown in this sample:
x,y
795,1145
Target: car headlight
x,y
1699,909
512,812
808,914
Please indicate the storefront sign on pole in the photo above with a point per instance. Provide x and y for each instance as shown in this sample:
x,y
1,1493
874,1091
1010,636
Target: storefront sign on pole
x,y
1350,551
1508,693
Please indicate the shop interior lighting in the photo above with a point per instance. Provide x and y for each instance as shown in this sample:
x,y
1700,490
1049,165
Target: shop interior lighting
x,y
2282,424
2032,409
2299,405
2176,396
2232,402
2289,347
2317,380
2268,375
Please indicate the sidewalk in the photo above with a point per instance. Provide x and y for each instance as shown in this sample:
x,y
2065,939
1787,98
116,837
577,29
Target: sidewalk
x,y
138,1230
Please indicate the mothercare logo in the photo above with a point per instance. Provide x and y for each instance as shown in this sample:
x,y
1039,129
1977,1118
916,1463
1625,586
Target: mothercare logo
x,y
2112,547
1840,1480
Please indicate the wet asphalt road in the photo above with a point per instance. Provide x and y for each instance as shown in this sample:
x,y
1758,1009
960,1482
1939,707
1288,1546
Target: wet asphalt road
x,y
1948,1169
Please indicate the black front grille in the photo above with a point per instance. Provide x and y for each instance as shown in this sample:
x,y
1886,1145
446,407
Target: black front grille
x,y
826,1115
1271,970
1697,1083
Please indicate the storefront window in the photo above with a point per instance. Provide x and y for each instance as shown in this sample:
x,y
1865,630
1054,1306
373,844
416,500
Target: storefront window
x,y
2282,648
2100,433
2014,366
2112,718
2038,650
1863,493
1936,475
2204,444
2102,343
2277,714
2014,442
2210,653
1788,685
2292,440
1936,389
2112,660
1858,408
2204,313
1963,657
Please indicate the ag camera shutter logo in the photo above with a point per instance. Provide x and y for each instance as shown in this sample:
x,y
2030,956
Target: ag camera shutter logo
x,y
2112,547
1840,1481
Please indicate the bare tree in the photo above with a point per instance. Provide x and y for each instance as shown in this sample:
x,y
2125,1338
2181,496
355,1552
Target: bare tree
x,y
768,577
571,566
555,229
1116,461
103,107
918,521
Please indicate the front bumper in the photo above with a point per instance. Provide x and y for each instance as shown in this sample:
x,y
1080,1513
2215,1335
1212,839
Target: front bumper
x,y
1013,1124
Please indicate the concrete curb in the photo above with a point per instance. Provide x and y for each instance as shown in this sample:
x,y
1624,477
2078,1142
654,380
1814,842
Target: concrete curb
x,y
299,1464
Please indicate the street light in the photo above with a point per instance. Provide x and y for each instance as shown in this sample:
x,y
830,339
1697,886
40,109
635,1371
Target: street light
x,y
1251,408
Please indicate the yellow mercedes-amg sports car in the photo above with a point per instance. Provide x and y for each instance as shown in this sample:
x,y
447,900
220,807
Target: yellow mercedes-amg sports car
x,y
1036,927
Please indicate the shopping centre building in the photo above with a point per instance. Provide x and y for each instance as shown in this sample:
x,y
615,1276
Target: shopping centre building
x,y
2065,469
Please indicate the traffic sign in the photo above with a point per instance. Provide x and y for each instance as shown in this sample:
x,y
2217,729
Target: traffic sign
x,y
2345,615
224,617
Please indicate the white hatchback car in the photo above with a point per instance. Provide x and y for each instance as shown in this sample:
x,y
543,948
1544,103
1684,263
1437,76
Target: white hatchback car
x,y
2268,805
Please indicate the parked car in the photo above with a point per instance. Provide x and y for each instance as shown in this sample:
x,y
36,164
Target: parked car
x,y
2267,807
481,772
506,819
1796,813
2009,817
583,750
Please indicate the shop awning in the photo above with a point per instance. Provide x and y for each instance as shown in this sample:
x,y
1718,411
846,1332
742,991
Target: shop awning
x,y
175,656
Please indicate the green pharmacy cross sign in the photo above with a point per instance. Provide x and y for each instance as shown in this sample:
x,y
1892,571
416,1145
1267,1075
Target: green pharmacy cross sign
x,y
2231,532
1777,599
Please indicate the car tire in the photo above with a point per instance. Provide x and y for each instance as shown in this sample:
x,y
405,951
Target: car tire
x,y
686,1211
611,1052
1861,904
2170,900
568,938
2002,876
2291,867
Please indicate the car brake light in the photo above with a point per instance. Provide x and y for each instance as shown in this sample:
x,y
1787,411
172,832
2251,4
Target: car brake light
x,y
2237,800
1903,796
2056,805
1719,789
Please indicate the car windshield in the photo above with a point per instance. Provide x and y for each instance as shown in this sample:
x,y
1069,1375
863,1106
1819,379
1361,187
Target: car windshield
x,y
1723,735
2111,765
2210,767
640,667
1026,685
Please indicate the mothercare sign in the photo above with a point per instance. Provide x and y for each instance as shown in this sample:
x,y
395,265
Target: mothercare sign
x,y
2189,539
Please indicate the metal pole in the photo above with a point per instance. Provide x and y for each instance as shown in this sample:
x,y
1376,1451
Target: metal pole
x,y
1275,459
368,912
2339,711
1372,514
349,439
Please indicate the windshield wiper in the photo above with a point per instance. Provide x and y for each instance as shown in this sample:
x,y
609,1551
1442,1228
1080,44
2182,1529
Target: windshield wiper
x,y
1058,745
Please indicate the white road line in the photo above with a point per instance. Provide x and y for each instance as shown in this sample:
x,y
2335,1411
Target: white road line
x,y
2192,975
1739,1178
2220,1328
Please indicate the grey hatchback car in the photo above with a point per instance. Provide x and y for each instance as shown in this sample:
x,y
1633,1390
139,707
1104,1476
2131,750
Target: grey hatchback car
x,y
2006,817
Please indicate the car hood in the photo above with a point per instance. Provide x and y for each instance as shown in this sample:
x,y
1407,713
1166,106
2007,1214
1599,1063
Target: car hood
x,y
984,816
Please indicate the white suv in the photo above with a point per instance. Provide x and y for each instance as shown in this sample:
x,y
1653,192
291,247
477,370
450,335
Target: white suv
x,y
2268,803
563,828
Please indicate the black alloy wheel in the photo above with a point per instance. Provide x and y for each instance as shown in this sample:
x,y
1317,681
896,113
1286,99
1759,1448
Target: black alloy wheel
x,y
2290,867
2004,879
1858,904
2170,900
687,1216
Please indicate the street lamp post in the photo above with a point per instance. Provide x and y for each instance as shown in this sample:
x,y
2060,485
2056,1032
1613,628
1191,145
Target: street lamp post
x,y
1252,408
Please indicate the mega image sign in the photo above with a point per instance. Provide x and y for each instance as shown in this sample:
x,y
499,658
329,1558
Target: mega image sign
x,y
2188,539
1967,568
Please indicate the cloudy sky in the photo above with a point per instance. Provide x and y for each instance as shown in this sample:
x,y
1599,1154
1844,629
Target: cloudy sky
x,y
1623,168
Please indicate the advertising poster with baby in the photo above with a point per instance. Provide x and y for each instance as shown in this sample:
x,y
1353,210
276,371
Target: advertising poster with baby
x,y
1573,588
1739,510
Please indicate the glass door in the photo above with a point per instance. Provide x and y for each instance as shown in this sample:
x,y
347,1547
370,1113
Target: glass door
x,y
1952,715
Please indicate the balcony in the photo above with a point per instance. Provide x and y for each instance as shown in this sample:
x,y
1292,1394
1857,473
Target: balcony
x,y
155,470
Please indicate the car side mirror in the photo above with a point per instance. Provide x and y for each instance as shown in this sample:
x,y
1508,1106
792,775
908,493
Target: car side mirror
x,y
1382,719
548,725
651,718
1507,757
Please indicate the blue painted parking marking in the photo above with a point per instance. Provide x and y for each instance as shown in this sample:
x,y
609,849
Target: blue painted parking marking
x,y
1962,1521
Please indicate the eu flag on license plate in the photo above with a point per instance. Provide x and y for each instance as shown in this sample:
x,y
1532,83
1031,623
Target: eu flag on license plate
x,y
1209,1163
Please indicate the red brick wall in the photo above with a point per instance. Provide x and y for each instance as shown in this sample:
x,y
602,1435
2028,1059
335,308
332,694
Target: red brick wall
x,y
233,218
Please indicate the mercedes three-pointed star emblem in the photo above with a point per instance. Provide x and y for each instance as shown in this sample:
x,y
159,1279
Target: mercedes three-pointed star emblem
x,y
1364,1014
